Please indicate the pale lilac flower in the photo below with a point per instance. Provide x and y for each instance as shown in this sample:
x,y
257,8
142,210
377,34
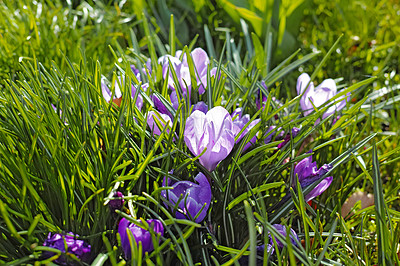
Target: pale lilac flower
x,y
282,230
140,235
194,199
181,70
107,93
162,119
212,131
239,123
319,95
137,72
201,62
174,99
307,173
79,248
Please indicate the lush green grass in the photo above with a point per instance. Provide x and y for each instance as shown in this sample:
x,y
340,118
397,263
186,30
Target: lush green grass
x,y
59,165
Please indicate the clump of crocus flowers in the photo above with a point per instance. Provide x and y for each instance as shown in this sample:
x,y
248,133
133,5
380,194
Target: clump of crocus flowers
x,y
210,135
318,96
68,244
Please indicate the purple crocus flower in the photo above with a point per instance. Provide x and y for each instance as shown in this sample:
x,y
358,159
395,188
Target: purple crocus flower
x,y
140,235
181,70
191,197
201,106
282,230
160,106
201,62
107,93
260,103
79,248
295,131
117,202
212,131
239,123
319,95
118,95
307,173
162,119
270,247
137,72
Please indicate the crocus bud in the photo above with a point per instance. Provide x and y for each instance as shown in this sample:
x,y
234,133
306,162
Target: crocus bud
x,y
140,235
117,202
162,119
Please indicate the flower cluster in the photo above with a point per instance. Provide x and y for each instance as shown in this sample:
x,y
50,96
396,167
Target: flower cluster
x,y
67,244
318,96
210,135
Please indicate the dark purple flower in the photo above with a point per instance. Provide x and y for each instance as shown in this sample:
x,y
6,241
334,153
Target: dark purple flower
x,y
212,131
201,106
191,197
239,122
160,106
79,248
139,234
268,135
117,202
282,230
307,173
295,131
261,101
319,95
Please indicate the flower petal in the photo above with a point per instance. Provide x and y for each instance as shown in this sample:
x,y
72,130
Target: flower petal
x,y
319,189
